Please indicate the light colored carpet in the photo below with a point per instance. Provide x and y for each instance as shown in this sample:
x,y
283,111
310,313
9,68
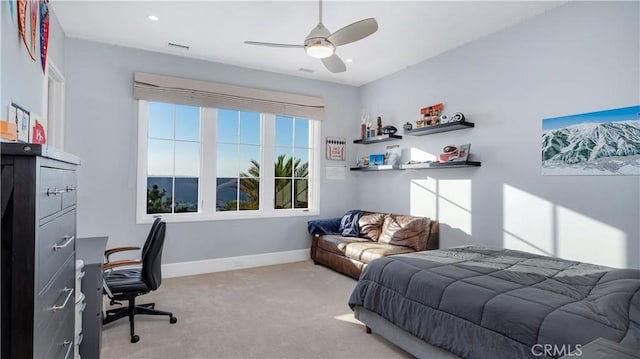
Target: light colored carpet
x,y
295,310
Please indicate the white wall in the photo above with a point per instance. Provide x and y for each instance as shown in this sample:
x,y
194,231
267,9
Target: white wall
x,y
580,57
102,129
23,81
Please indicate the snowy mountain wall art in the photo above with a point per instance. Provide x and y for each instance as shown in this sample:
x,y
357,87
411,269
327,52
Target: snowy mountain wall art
x,y
595,143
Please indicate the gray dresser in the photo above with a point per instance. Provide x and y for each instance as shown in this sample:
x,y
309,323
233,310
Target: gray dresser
x,y
39,187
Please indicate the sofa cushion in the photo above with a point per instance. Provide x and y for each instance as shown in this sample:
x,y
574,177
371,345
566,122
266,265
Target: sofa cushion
x,y
337,244
371,225
367,251
407,231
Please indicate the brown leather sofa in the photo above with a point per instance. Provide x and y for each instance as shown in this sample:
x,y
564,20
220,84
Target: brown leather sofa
x,y
380,235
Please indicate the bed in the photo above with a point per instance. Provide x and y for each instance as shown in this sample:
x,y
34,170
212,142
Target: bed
x,y
496,303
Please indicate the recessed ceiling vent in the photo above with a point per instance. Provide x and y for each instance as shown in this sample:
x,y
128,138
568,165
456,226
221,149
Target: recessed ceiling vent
x,y
306,70
178,46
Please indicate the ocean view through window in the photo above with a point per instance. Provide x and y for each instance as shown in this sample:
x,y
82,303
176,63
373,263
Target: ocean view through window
x,y
199,163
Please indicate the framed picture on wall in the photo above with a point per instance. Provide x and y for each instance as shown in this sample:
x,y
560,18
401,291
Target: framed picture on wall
x,y
335,148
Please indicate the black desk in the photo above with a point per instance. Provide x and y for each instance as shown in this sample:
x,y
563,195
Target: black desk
x,y
91,251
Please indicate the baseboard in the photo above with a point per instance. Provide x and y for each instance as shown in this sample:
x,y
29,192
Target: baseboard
x,y
225,264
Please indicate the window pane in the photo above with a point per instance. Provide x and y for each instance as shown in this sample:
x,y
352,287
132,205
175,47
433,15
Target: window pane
x,y
160,158
187,159
284,163
284,131
283,193
249,194
227,194
187,123
249,161
250,128
302,193
302,133
160,123
227,126
159,190
186,194
301,163
227,160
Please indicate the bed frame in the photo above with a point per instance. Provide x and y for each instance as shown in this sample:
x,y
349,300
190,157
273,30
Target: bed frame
x,y
406,341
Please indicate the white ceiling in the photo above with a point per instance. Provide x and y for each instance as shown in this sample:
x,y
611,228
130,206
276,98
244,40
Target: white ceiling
x,y
409,32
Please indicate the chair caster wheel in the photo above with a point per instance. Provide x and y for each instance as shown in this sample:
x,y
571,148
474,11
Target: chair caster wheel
x,y
173,320
135,339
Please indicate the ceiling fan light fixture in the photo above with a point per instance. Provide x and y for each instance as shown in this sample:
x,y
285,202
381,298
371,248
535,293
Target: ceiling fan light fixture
x,y
319,48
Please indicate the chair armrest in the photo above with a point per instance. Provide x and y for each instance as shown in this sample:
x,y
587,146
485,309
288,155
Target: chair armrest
x,y
122,263
111,251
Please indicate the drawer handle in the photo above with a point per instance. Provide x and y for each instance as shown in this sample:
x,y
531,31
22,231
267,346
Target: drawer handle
x,y
56,191
67,343
71,188
67,239
69,294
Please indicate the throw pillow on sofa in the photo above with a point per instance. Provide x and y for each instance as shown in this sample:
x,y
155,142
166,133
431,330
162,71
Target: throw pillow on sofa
x,y
405,231
371,225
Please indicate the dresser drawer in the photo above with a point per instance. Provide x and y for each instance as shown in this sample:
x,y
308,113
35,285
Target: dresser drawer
x,y
56,243
57,190
52,303
58,344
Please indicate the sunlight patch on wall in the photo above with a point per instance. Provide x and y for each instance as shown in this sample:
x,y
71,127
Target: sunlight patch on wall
x,y
416,154
423,199
527,221
454,205
585,239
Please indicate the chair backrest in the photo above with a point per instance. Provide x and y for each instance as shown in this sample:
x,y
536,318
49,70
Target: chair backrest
x,y
152,257
154,226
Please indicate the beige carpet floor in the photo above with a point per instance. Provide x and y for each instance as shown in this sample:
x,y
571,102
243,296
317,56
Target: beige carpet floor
x,y
295,310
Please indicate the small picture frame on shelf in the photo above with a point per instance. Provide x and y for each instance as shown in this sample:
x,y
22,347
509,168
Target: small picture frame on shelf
x,y
463,152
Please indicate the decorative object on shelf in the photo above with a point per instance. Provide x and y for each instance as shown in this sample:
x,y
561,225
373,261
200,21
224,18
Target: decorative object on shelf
x,y
458,116
393,156
595,143
362,161
376,159
430,115
449,153
388,130
407,126
444,119
463,152
455,153
335,148
363,126
379,130
20,117
37,130
8,131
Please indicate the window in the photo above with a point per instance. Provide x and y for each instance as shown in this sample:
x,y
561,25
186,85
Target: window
x,y
200,163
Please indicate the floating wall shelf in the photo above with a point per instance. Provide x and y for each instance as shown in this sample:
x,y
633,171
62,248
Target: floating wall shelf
x,y
419,166
429,130
376,139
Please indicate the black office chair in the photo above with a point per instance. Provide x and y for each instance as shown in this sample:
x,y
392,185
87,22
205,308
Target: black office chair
x,y
127,284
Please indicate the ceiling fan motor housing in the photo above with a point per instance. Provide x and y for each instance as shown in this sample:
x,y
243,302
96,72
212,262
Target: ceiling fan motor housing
x,y
316,44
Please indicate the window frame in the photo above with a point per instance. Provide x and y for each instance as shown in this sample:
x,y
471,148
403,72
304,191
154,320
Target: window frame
x,y
208,152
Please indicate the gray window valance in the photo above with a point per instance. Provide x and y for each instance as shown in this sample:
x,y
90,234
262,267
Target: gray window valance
x,y
152,87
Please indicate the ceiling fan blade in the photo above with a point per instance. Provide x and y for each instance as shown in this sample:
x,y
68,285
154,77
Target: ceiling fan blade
x,y
271,44
334,64
354,32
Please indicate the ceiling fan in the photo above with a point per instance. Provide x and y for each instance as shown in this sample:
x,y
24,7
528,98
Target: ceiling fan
x,y
321,44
